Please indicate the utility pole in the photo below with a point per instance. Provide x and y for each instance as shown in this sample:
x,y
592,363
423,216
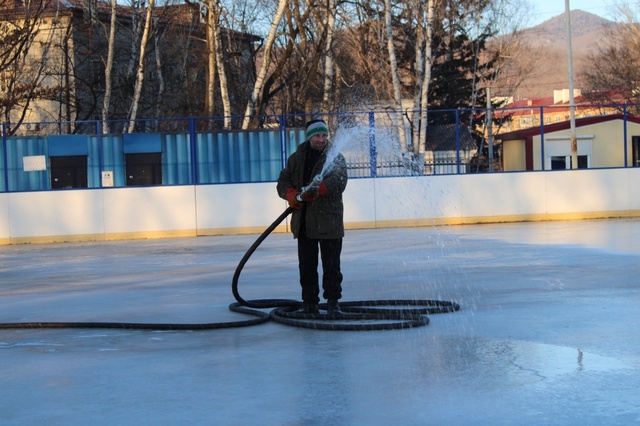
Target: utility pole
x,y
572,105
489,130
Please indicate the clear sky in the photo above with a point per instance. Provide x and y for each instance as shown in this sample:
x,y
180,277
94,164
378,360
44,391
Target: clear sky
x,y
545,9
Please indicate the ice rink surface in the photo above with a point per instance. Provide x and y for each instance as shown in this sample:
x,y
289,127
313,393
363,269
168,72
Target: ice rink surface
x,y
548,332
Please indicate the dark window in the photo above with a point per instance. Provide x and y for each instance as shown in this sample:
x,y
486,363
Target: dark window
x,y
583,162
558,163
144,169
68,172
97,69
564,162
636,151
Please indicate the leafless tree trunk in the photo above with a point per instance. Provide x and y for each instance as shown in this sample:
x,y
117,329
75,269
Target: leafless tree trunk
x,y
135,37
108,68
297,62
416,124
211,61
395,78
257,90
428,57
214,9
329,63
159,75
140,72
423,63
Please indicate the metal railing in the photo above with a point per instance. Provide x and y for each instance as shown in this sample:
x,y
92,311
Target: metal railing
x,y
190,151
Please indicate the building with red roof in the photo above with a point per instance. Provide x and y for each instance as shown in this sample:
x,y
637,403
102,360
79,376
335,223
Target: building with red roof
x,y
603,141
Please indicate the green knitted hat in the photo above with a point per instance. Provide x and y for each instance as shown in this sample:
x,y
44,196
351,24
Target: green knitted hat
x,y
316,127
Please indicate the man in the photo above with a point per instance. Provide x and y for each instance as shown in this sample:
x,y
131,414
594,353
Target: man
x,y
317,219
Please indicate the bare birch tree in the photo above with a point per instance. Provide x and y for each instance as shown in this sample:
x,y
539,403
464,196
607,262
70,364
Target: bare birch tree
x,y
141,69
295,76
258,87
109,67
211,60
213,26
136,31
424,24
329,63
157,35
395,78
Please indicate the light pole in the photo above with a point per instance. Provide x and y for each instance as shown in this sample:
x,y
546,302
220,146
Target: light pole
x,y
572,106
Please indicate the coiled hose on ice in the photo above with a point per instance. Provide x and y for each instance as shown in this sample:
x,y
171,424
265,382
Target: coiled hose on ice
x,y
358,315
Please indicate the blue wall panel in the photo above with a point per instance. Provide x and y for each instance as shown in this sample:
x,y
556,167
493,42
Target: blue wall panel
x,y
66,145
137,143
224,170
94,160
113,158
17,149
220,157
176,158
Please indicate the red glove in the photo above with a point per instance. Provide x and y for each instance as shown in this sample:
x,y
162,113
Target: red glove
x,y
322,189
292,195
311,195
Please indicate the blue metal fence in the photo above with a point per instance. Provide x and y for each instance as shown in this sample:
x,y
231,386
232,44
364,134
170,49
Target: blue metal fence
x,y
199,158
198,151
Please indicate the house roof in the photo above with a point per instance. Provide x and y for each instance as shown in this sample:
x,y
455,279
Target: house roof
x,y
532,106
564,125
182,13
442,137
527,107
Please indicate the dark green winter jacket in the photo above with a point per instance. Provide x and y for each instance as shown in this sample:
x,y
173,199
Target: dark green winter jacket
x,y
324,216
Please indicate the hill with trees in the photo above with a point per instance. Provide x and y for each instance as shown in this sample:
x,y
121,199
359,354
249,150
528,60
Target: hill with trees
x,y
543,62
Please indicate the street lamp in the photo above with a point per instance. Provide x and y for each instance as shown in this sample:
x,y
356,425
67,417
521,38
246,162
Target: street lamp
x,y
572,106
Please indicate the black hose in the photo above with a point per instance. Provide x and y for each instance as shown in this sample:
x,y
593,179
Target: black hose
x,y
355,316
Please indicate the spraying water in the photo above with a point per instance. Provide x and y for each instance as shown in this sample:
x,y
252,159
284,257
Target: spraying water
x,y
354,143
332,153
333,150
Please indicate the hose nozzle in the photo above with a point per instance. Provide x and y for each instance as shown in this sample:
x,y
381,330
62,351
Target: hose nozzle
x,y
313,186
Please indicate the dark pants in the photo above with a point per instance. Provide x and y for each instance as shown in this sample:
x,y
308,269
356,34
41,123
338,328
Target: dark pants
x,y
330,251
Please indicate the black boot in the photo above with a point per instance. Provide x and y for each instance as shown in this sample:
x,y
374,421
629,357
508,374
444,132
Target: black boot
x,y
333,307
309,308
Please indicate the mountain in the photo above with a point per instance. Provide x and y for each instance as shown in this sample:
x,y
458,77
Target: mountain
x,y
586,30
546,54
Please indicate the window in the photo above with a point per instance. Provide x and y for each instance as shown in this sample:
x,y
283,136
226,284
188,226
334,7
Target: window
x,y
583,161
558,152
635,151
68,172
97,75
558,163
143,168
564,162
